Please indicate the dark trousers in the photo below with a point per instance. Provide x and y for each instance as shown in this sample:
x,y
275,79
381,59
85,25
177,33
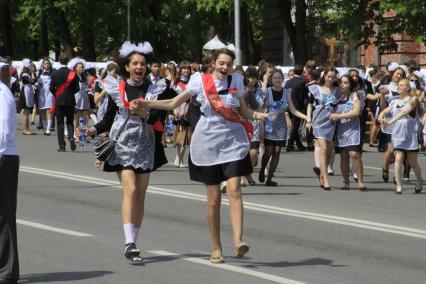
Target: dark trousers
x,y
294,133
62,112
9,263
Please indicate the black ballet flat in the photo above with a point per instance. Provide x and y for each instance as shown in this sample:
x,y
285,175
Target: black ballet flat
x,y
363,189
326,188
317,171
398,192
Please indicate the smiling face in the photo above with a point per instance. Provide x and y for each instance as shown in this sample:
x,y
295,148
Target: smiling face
x,y
403,87
330,78
185,71
222,66
46,65
136,67
397,75
79,69
277,80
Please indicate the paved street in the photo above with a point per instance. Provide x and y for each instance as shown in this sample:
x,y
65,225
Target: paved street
x,y
70,226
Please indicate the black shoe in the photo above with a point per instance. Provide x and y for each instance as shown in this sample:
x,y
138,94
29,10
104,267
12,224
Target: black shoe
x,y
363,189
131,252
62,150
262,175
46,134
290,149
326,188
418,190
270,183
317,171
311,148
301,148
73,146
39,127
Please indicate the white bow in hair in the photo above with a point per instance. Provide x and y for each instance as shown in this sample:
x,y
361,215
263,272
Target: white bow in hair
x,y
75,61
26,62
142,47
393,66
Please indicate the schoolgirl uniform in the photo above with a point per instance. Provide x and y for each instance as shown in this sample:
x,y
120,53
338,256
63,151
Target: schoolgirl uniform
x,y
405,129
389,98
135,146
278,135
256,101
82,101
324,103
348,130
219,147
27,95
45,98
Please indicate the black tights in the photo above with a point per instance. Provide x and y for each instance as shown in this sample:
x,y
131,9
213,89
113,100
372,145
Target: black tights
x,y
274,152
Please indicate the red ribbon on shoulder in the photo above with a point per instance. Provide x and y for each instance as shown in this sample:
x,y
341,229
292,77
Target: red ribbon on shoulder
x,y
61,89
157,126
217,104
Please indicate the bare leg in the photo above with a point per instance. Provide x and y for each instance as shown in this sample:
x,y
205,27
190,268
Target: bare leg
x,y
324,154
358,167
26,120
213,217
139,206
236,209
412,160
399,158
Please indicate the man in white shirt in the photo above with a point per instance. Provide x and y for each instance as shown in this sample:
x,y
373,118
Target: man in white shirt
x,y
9,168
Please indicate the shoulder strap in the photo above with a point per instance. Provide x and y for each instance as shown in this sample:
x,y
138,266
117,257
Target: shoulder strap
x,y
229,81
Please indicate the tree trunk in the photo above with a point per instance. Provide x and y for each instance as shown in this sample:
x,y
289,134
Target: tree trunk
x,y
88,43
247,41
44,38
65,34
7,29
296,32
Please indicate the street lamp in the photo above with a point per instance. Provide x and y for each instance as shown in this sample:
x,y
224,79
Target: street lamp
x,y
128,20
237,32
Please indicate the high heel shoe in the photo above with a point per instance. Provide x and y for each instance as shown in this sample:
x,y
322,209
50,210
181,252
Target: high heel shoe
x,y
398,191
418,190
345,186
385,175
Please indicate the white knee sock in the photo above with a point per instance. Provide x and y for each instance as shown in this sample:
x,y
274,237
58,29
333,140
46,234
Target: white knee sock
x,y
128,233
49,125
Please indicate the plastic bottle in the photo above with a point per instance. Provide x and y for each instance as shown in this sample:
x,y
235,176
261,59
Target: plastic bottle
x,y
169,127
272,115
83,134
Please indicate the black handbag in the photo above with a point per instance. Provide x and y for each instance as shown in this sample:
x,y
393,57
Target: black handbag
x,y
105,147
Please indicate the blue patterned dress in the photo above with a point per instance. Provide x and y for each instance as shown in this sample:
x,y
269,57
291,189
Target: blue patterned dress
x,y
405,130
322,126
348,130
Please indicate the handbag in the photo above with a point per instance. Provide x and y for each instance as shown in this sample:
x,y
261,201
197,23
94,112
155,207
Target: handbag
x,y
105,147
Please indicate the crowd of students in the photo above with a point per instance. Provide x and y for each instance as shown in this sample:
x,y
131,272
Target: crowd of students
x,y
228,116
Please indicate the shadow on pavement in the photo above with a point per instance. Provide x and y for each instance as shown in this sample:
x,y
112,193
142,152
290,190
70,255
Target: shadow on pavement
x,y
310,261
62,276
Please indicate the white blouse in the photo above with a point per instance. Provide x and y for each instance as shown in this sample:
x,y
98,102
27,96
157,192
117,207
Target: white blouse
x,y
7,122
217,140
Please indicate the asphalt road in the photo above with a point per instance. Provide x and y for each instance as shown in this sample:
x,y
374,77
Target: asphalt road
x,y
70,226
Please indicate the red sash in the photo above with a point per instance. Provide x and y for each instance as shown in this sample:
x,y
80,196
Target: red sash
x,y
121,89
217,104
61,89
181,85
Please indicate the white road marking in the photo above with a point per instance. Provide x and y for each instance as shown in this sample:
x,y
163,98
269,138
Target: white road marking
x,y
52,229
358,223
257,274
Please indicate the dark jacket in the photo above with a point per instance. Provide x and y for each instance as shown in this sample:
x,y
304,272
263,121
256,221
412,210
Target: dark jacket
x,y
59,77
299,92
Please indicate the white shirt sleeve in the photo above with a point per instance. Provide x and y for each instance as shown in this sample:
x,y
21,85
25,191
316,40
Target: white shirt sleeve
x,y
195,85
3,123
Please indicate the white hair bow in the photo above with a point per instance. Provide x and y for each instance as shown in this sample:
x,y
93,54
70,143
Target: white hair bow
x,y
76,61
142,47
26,63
